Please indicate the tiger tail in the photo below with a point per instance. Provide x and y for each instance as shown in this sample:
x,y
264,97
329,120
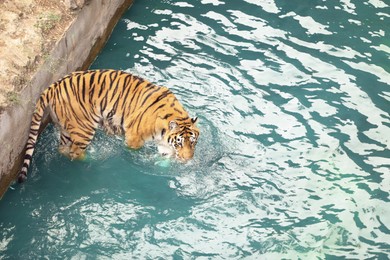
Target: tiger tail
x,y
34,132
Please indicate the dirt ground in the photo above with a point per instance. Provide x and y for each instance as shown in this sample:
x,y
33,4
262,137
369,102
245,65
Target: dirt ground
x,y
29,30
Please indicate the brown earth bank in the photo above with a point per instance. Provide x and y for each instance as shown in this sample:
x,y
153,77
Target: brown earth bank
x,y
28,31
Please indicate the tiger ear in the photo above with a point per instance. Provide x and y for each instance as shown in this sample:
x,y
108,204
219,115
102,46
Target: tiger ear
x,y
172,125
194,120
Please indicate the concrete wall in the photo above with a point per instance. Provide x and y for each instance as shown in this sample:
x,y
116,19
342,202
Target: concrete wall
x,y
75,51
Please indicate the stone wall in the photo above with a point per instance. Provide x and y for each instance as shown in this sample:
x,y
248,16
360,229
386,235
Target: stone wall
x,y
74,51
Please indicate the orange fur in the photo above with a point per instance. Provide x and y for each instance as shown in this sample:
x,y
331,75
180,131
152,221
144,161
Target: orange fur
x,y
119,102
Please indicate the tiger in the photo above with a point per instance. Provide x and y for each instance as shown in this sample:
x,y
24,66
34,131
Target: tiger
x,y
121,104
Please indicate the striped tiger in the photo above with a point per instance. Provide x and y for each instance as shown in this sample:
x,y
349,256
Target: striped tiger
x,y
119,102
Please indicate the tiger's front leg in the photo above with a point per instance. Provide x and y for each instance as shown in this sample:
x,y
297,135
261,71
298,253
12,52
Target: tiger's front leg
x,y
133,140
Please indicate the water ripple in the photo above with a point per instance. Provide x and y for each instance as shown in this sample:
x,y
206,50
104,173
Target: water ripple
x,y
293,160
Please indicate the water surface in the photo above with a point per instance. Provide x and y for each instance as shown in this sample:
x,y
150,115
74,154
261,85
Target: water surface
x,y
293,161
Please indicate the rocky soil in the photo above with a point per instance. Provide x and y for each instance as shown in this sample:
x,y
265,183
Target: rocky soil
x,y
29,30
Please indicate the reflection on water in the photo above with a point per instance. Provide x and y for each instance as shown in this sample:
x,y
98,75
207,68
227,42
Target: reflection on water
x,y
293,160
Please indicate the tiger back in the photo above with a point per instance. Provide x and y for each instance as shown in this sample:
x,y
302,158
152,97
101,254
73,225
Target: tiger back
x,y
122,104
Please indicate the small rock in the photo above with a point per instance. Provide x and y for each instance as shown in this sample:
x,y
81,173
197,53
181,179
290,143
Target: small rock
x,y
76,4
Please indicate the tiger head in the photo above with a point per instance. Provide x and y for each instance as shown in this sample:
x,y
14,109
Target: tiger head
x,y
182,137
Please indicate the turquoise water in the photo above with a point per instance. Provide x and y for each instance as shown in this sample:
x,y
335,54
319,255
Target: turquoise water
x,y
293,160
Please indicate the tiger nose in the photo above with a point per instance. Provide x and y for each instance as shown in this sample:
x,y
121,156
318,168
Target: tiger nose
x,y
186,156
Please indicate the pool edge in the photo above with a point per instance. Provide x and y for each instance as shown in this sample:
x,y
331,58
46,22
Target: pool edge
x,y
75,50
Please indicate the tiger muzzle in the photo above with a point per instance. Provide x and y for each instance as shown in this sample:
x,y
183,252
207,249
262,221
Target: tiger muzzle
x,y
185,155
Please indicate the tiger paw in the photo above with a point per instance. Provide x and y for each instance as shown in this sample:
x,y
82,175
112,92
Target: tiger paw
x,y
64,149
134,143
77,155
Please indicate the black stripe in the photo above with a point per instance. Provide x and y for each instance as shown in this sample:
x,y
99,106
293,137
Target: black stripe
x,y
158,108
91,79
100,75
125,84
94,119
41,100
83,88
177,110
84,110
34,123
158,99
140,80
92,86
124,98
182,119
102,87
34,132
75,93
66,91
114,108
133,102
166,116
151,90
37,117
113,75
82,141
103,104
114,95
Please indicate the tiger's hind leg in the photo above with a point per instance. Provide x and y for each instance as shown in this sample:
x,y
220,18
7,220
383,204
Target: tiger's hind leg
x,y
77,151
112,127
65,142
107,127
80,140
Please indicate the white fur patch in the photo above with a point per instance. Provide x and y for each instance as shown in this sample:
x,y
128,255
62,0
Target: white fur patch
x,y
165,149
